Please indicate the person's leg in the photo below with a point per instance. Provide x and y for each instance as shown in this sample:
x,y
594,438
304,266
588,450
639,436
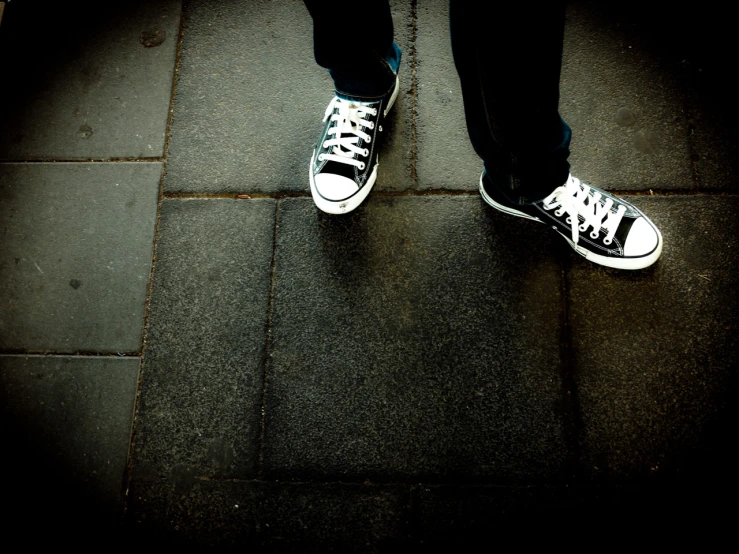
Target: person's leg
x,y
344,164
354,41
509,68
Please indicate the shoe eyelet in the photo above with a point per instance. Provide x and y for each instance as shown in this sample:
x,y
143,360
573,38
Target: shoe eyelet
x,y
361,167
368,140
558,213
366,152
607,241
321,157
325,144
594,235
569,220
371,126
584,227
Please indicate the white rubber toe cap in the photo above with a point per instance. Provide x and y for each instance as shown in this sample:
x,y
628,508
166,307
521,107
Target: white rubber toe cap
x,y
335,187
643,238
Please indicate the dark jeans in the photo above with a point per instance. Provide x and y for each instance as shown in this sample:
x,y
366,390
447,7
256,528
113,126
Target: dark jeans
x,y
508,65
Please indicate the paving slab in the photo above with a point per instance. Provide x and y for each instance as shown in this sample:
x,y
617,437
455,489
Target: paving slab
x,y
87,84
269,517
445,158
332,517
625,101
655,350
251,99
716,136
415,337
66,426
691,50
712,104
467,516
203,365
76,255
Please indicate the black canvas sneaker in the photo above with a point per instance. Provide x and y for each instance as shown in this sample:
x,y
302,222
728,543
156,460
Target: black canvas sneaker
x,y
599,226
343,168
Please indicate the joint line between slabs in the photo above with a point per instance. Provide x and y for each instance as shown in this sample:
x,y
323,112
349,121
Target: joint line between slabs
x,y
267,342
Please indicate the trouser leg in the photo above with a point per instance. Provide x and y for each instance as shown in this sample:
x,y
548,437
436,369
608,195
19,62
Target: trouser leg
x,y
354,41
509,68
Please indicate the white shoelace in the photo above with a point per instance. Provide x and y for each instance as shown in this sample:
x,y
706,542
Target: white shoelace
x,y
348,130
582,203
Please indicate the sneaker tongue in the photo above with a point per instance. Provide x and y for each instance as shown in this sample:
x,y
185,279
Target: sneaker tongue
x,y
348,128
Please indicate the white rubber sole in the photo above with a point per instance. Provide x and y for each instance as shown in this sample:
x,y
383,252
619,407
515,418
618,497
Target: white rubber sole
x,y
339,207
617,263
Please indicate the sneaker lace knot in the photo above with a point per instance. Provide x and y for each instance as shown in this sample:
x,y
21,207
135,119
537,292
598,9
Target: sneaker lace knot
x,y
585,209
